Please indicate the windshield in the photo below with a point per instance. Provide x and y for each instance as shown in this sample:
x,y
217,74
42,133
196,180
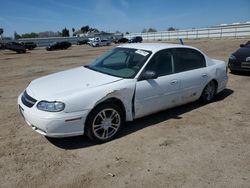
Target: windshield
x,y
121,62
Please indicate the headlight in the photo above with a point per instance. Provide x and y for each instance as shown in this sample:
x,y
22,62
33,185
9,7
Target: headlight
x,y
51,106
232,57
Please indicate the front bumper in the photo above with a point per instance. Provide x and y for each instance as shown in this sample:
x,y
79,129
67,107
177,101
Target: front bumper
x,y
53,124
238,65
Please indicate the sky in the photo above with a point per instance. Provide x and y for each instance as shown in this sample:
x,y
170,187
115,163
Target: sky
x,y
25,16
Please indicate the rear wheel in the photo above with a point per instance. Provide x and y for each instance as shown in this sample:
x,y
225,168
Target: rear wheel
x,y
209,92
104,122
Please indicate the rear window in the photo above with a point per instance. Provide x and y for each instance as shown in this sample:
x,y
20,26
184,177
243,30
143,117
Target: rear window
x,y
186,59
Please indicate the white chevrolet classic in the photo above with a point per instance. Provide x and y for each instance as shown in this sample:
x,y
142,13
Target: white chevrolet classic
x,y
128,82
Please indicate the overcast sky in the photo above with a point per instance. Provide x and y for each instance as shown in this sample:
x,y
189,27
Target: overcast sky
x,y
124,15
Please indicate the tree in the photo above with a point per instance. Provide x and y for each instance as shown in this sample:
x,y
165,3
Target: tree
x,y
1,33
16,36
172,29
152,30
127,33
29,35
65,32
94,30
144,30
85,29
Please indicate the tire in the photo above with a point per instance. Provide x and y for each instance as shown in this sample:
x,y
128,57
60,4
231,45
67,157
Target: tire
x,y
209,92
104,122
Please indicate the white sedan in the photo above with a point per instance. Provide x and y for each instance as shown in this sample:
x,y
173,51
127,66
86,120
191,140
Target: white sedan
x,y
101,42
128,82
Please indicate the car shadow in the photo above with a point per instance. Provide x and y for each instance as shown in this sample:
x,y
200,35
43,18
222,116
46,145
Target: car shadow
x,y
78,142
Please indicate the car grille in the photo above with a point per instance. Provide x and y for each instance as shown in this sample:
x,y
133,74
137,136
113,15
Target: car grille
x,y
28,100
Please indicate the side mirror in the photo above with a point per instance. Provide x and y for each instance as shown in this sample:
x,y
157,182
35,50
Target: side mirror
x,y
147,75
242,45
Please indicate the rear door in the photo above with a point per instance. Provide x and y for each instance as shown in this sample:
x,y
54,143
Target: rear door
x,y
190,66
157,94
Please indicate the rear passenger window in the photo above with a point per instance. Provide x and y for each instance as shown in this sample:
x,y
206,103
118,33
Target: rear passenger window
x,y
186,59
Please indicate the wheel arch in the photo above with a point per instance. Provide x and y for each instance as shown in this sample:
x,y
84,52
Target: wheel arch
x,y
113,100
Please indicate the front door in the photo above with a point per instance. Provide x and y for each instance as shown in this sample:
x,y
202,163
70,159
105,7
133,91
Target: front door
x,y
152,95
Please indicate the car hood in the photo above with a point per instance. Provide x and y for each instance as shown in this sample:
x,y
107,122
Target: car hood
x,y
73,80
242,52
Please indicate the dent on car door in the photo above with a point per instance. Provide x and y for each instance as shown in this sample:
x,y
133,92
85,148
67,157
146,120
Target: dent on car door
x,y
153,95
190,65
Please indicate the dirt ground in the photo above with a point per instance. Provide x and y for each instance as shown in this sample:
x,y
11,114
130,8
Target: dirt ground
x,y
189,146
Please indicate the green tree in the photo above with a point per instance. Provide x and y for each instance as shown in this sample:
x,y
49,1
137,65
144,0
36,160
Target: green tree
x,y
29,35
16,36
65,32
73,32
85,29
152,30
172,29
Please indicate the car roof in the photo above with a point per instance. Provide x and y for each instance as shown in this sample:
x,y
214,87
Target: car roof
x,y
154,47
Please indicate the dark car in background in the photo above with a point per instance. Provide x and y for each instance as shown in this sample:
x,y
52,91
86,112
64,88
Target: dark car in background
x,y
29,45
59,46
135,39
240,59
14,46
81,42
121,40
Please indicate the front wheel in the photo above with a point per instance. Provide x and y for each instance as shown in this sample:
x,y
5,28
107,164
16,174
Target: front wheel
x,y
104,122
209,92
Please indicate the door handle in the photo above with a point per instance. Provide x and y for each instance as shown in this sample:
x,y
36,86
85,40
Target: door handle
x,y
174,82
204,75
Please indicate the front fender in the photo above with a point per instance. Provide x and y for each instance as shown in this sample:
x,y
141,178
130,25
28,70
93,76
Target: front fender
x,y
88,99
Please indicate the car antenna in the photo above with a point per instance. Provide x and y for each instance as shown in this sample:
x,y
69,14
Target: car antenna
x,y
181,41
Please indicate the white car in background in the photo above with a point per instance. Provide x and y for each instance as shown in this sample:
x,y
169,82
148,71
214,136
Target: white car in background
x,y
126,83
101,42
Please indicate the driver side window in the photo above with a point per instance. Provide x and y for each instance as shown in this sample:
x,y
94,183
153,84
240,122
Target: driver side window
x,y
161,63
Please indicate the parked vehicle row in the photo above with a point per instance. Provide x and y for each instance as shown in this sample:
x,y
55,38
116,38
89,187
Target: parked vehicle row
x,y
126,83
97,41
